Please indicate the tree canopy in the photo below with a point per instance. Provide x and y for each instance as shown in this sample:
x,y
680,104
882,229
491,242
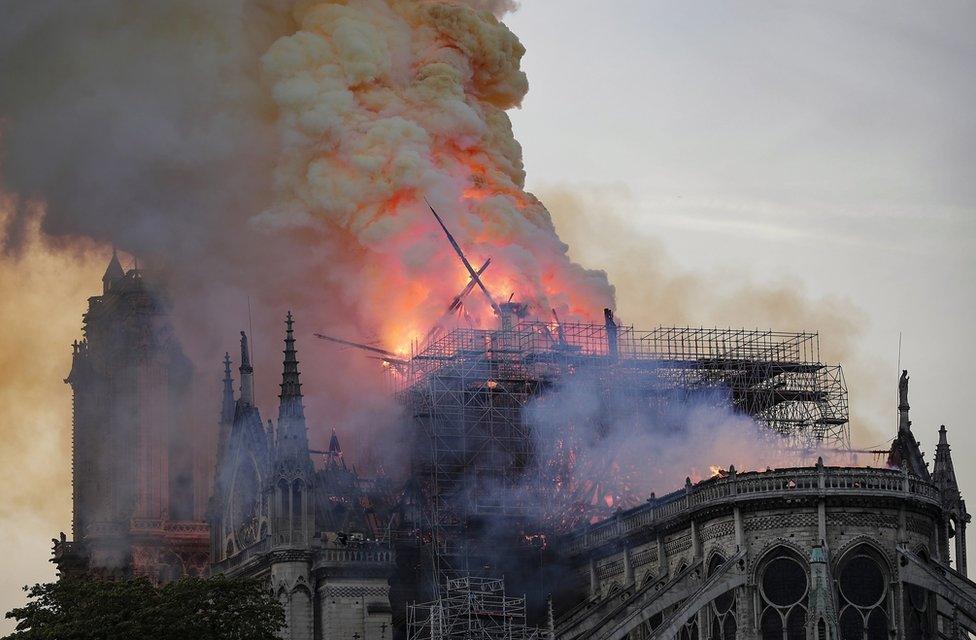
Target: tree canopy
x,y
217,608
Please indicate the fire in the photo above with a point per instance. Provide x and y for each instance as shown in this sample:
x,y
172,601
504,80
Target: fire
x,y
377,131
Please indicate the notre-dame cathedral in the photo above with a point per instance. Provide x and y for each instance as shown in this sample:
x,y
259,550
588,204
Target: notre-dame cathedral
x,y
796,553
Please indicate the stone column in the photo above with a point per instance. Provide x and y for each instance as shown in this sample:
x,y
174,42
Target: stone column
x,y
662,556
696,544
628,567
740,530
822,521
704,628
594,579
961,546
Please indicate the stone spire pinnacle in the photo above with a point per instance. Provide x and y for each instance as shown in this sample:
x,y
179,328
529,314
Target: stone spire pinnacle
x,y
334,459
113,273
292,431
247,372
291,386
943,472
227,405
944,477
228,410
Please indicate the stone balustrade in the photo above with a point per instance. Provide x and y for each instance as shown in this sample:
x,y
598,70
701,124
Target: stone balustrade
x,y
817,481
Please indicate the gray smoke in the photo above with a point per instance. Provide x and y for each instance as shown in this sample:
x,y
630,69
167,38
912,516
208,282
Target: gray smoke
x,y
136,122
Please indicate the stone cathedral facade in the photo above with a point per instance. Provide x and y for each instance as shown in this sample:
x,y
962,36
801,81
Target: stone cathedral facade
x,y
318,536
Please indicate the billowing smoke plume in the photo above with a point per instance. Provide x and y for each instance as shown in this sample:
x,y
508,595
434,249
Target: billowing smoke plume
x,y
659,291
384,104
279,153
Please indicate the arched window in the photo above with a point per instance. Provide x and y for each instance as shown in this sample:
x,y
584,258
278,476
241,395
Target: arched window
x,y
919,607
646,629
282,509
919,618
862,588
782,591
297,512
722,607
245,503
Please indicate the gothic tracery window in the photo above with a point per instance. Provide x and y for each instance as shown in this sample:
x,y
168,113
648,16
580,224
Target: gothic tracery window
x,y
862,587
245,503
722,608
645,631
919,607
297,512
783,589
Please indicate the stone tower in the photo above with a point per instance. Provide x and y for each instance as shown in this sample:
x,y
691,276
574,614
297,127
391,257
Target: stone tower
x,y
292,483
132,456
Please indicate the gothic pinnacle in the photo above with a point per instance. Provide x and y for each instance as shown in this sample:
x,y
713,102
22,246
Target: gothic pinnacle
x,y
227,406
291,386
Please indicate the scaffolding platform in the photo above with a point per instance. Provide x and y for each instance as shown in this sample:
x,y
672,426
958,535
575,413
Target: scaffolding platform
x,y
472,609
466,392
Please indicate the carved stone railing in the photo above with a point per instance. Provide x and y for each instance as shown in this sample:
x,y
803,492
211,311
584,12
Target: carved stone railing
x,y
243,557
187,527
741,487
105,528
341,556
148,526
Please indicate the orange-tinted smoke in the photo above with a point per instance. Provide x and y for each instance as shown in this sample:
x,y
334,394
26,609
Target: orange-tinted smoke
x,y
384,105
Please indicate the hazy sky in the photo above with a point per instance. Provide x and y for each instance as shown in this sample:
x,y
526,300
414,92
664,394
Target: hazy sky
x,y
738,155
823,147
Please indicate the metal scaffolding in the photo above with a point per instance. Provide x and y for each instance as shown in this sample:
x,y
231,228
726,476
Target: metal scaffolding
x,y
471,609
467,389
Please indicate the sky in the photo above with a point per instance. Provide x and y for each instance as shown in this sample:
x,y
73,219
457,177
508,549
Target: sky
x,y
825,149
808,166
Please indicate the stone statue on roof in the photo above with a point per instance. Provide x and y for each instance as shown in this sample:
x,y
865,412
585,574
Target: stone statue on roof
x,y
903,390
